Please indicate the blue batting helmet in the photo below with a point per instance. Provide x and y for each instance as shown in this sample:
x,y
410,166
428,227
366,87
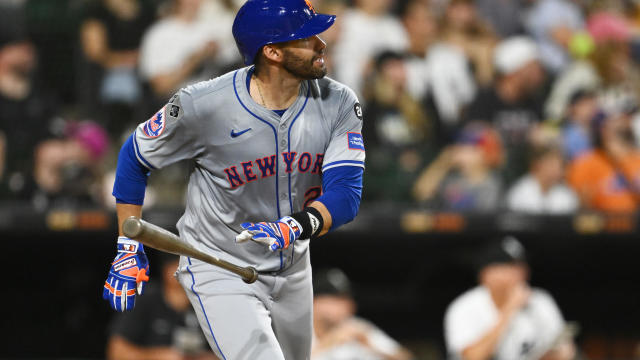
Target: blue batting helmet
x,y
262,22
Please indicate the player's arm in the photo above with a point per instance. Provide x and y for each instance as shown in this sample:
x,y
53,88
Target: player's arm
x,y
129,271
95,43
169,136
484,348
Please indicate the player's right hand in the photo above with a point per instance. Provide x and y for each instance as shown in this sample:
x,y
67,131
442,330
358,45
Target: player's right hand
x,y
128,275
276,235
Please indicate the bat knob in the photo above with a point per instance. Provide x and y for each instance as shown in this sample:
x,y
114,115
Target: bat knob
x,y
251,275
132,227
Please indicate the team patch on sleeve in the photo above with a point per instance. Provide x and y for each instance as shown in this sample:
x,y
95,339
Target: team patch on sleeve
x,y
355,141
155,125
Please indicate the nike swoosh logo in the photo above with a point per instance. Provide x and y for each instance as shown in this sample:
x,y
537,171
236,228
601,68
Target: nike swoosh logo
x,y
235,134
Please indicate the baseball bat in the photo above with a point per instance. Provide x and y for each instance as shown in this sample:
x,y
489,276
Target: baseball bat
x,y
164,240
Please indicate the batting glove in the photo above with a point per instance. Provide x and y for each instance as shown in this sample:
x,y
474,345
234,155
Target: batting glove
x,y
277,235
128,275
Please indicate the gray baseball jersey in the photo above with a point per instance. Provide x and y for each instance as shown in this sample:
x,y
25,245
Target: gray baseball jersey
x,y
251,165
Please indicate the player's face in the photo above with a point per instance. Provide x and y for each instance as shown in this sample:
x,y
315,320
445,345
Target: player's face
x,y
332,310
305,58
504,276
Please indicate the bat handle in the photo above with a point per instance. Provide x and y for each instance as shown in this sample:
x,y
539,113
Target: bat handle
x,y
166,241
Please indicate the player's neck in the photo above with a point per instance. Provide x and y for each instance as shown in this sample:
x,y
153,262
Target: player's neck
x,y
274,89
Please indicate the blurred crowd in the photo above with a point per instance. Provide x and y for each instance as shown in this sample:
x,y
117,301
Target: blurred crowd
x,y
469,105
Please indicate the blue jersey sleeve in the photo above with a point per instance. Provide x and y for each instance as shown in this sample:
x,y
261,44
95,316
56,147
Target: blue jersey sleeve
x,y
131,176
342,191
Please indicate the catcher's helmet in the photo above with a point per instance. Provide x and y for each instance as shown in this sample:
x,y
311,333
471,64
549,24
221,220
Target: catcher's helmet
x,y
262,22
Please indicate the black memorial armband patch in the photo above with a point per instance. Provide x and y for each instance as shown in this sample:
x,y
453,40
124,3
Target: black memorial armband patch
x,y
174,111
358,110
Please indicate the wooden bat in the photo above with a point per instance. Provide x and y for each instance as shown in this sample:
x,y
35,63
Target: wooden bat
x,y
163,240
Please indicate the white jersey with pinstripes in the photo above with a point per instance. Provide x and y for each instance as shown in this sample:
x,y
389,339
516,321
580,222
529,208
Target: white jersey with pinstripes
x,y
250,163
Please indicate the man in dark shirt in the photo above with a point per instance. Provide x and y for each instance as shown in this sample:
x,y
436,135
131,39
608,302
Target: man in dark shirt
x,y
513,105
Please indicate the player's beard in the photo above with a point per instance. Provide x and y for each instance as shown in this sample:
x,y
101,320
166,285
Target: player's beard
x,y
301,67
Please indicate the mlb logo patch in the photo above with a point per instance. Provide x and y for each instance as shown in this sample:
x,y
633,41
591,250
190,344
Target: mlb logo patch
x,y
355,141
155,125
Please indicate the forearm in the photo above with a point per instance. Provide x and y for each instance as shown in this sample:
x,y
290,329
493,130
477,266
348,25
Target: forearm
x,y
563,351
326,216
126,210
428,182
114,59
165,83
130,184
95,46
484,348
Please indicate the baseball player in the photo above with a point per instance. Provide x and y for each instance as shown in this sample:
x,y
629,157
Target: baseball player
x,y
278,160
503,318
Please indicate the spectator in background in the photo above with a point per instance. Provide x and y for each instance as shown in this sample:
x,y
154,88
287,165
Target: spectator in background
x,y
513,105
463,176
607,177
366,30
68,169
421,26
604,65
576,133
397,130
25,113
463,28
503,318
618,75
220,14
176,51
541,191
449,86
439,73
338,333
504,16
162,325
552,23
111,35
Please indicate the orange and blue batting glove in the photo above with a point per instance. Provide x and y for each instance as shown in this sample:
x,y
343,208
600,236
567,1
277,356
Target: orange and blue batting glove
x,y
128,275
277,235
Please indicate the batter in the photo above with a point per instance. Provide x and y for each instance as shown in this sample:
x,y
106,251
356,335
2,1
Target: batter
x,y
278,156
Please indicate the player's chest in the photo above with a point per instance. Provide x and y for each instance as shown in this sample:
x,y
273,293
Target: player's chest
x,y
263,146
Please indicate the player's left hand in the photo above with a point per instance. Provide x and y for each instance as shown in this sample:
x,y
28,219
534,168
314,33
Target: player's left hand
x,y
276,235
128,275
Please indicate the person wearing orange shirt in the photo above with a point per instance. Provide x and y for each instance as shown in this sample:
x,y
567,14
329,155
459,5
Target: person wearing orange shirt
x,y
608,177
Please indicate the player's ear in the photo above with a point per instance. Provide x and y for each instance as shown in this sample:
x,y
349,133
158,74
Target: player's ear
x,y
272,52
